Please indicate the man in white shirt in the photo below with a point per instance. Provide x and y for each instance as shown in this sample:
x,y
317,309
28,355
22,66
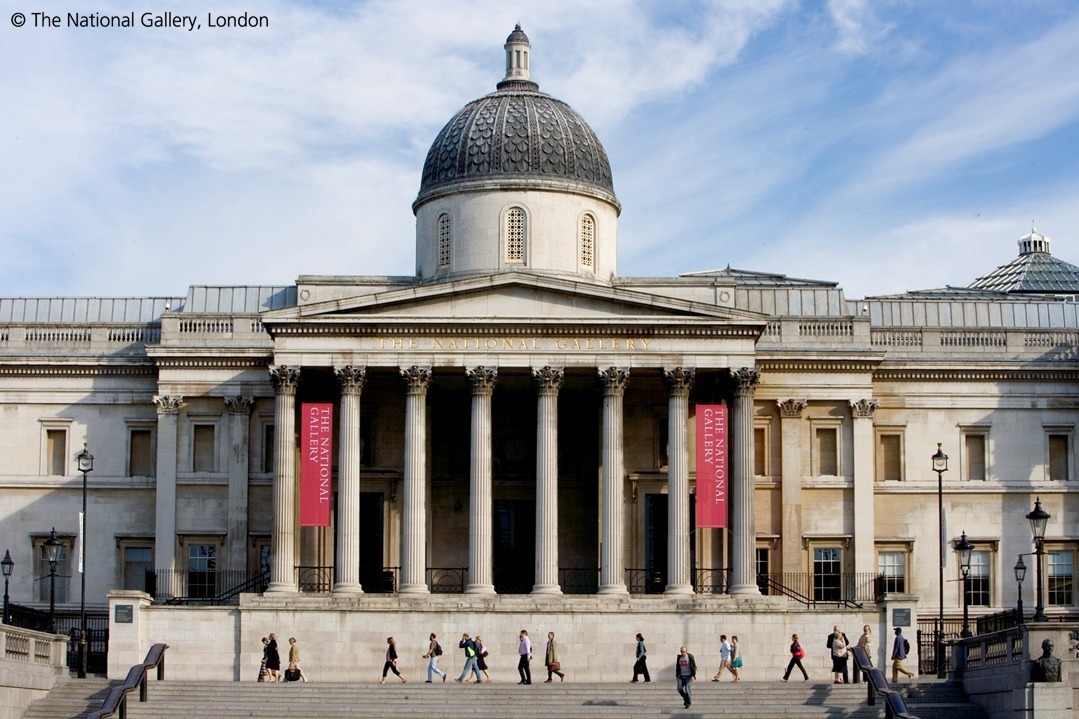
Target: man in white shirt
x,y
524,648
724,658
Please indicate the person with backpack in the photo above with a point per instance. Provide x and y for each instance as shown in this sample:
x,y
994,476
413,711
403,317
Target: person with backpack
x,y
434,651
469,648
900,650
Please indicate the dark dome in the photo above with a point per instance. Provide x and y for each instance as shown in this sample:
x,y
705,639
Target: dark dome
x,y
517,138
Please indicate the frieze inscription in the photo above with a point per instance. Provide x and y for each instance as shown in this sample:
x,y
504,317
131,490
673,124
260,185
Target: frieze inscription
x,y
515,344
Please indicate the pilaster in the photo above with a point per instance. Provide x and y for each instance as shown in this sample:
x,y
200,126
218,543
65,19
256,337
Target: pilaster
x,y
239,408
864,469
168,408
790,429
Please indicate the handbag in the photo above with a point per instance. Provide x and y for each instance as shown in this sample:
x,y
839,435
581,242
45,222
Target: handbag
x,y
556,666
737,663
800,654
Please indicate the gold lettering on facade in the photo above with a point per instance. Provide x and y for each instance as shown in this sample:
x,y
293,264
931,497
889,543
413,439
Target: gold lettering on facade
x,y
517,344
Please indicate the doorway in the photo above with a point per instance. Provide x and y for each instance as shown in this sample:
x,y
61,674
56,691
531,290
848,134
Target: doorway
x,y
515,546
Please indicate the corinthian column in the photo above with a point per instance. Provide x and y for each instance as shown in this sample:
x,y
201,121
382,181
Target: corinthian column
x,y
790,428
480,557
413,523
239,430
168,409
865,560
347,561
743,523
282,569
612,570
679,381
548,381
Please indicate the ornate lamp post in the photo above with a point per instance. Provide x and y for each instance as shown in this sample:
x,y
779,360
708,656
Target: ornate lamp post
x,y
963,548
52,553
1038,519
86,465
1020,575
7,565
940,466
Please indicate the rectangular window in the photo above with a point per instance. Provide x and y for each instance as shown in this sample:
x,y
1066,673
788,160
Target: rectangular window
x,y
892,567
56,452
62,578
137,561
827,446
203,449
978,579
201,571
140,460
827,574
974,456
764,568
890,457
1058,457
1060,575
267,448
760,451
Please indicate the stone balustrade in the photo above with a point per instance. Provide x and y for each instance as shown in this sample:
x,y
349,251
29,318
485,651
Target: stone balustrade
x,y
30,663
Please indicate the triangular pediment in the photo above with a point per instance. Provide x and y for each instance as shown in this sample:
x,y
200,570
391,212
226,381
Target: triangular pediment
x,y
514,297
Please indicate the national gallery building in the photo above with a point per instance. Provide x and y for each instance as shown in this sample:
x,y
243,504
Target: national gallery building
x,y
514,435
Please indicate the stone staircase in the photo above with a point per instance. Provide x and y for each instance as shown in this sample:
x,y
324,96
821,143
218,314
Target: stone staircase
x,y
928,699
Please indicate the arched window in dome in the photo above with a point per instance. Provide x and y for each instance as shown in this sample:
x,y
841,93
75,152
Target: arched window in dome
x,y
587,242
516,235
445,241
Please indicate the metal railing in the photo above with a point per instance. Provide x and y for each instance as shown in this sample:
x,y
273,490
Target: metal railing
x,y
116,699
447,580
209,587
69,622
846,589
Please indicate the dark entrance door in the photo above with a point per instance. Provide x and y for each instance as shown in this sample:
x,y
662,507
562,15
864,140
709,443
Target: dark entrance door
x,y
373,576
514,546
655,542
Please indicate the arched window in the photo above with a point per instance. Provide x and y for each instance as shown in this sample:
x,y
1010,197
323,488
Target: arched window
x,y
445,241
516,235
588,242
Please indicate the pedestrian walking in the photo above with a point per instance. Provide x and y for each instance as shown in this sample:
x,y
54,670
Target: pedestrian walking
x,y
797,654
900,650
391,661
685,672
434,651
736,659
481,658
294,661
264,673
641,665
550,660
524,649
839,646
273,659
469,648
865,643
724,657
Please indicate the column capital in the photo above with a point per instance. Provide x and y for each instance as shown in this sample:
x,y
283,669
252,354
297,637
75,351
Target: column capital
x,y
168,404
548,379
417,378
679,380
482,379
791,408
864,407
747,379
285,379
614,380
239,404
351,379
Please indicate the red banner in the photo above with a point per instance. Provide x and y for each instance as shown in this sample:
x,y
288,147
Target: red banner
x,y
316,464
711,465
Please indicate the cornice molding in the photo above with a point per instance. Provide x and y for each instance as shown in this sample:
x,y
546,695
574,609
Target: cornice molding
x,y
976,375
77,371
817,365
647,328
214,362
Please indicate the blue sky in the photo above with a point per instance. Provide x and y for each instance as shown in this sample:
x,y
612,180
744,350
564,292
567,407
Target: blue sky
x,y
882,145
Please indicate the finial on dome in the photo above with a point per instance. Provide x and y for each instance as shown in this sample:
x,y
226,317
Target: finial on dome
x,y
518,48
1034,242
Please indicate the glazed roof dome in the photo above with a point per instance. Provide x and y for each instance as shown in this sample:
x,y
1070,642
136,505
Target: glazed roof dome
x,y
517,138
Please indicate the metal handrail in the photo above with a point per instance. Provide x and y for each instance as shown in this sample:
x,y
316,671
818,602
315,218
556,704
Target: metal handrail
x,y
116,699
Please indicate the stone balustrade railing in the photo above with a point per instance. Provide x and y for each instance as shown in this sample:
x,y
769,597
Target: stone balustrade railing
x,y
30,664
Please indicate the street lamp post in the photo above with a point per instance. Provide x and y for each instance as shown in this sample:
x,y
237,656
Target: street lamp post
x,y
940,466
1020,574
963,548
86,465
1038,519
7,565
52,553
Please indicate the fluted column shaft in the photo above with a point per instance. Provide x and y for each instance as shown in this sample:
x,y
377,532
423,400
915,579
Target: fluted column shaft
x,y
414,521
548,381
239,430
679,381
612,569
168,408
743,488
347,561
480,471
282,569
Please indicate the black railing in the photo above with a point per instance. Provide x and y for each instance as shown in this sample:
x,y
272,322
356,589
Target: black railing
x,y
847,589
711,581
116,699
447,580
314,579
209,587
578,580
646,581
69,622
931,634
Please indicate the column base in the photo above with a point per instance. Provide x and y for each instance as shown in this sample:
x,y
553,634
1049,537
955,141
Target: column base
x,y
744,589
480,589
413,589
679,589
617,589
282,588
553,589
348,588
